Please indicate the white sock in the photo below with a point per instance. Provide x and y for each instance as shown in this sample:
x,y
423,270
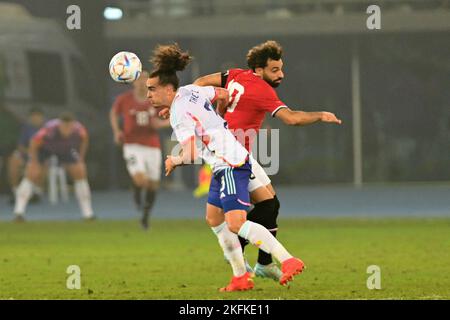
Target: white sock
x,y
264,240
23,195
83,193
231,248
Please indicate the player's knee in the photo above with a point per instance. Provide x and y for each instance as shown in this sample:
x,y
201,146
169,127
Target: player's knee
x,y
234,226
265,213
140,180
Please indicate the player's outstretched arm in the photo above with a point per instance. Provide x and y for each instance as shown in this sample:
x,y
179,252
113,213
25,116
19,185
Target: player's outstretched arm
x,y
187,156
214,79
302,118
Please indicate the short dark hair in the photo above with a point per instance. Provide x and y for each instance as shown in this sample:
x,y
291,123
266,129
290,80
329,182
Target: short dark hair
x,y
167,60
35,110
67,116
257,56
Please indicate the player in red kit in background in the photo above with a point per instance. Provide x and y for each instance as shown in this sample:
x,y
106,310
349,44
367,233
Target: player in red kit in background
x,y
141,144
252,95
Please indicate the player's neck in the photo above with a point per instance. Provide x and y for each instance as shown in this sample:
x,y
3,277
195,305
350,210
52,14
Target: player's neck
x,y
140,96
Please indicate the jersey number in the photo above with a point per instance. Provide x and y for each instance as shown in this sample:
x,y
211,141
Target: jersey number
x,y
236,90
142,118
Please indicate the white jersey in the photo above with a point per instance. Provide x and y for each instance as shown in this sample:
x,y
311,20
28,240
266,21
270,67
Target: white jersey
x,y
192,114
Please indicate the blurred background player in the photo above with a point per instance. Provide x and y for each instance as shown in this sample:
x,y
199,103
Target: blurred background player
x,y
204,181
252,95
67,139
19,157
141,142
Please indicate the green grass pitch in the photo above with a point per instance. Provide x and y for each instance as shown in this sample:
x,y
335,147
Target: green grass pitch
x,y
181,259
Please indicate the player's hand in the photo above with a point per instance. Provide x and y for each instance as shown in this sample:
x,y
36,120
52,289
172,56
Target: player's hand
x,y
330,117
118,137
170,166
164,113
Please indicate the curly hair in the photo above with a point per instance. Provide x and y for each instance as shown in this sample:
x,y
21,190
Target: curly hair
x,y
167,60
257,56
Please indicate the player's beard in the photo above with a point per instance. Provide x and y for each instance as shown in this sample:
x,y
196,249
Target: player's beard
x,y
272,83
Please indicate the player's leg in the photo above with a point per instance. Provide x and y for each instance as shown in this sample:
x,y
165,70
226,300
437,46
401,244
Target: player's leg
x,y
152,160
264,212
15,165
235,201
24,191
136,170
228,240
78,172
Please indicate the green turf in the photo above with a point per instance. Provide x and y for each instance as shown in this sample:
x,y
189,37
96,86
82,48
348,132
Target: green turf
x,y
181,259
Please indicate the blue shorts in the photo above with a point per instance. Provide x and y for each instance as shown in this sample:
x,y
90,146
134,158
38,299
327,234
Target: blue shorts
x,y
229,188
67,157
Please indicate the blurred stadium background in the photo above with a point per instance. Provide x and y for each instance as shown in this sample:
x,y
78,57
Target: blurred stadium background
x,y
389,86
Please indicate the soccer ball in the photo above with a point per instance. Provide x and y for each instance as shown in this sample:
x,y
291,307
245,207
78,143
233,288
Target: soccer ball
x,y
125,67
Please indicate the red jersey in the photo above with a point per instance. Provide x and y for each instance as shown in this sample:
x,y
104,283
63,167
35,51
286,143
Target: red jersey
x,y
138,117
251,99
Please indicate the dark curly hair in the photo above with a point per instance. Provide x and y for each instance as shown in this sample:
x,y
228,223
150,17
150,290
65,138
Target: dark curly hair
x,y
167,60
257,56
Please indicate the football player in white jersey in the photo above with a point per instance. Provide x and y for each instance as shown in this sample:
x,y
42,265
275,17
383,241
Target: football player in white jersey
x,y
196,123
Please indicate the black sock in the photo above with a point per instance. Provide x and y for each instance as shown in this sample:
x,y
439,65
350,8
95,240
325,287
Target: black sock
x,y
137,195
149,201
243,242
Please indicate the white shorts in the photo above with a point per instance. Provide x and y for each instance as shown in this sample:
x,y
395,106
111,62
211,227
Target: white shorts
x,y
143,159
259,177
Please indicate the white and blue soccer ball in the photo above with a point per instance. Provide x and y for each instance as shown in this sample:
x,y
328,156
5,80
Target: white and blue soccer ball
x,y
125,67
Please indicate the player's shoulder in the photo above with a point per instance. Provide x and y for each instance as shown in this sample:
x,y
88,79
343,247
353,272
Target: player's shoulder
x,y
193,94
52,123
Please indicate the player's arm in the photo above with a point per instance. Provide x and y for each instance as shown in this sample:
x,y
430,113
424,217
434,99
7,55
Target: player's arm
x,y
114,120
302,118
214,79
187,155
222,99
84,144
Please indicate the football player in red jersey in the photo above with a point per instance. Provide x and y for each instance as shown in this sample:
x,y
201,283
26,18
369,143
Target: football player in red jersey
x,y
140,139
252,95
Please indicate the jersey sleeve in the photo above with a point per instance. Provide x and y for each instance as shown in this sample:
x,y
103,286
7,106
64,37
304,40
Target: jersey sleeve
x,y
270,101
183,125
228,76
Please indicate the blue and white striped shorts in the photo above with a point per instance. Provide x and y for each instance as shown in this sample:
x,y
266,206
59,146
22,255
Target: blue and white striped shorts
x,y
229,188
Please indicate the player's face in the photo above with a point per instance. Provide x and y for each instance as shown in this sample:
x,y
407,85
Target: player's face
x,y
159,95
66,128
37,119
273,73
